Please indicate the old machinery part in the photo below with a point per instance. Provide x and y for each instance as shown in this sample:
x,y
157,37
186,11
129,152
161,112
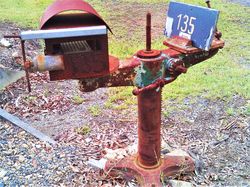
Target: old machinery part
x,y
46,63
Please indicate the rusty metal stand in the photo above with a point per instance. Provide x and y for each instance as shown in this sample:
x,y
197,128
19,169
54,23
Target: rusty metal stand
x,y
147,166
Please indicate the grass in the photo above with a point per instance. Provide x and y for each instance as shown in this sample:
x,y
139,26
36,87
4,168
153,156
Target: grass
x,y
95,110
222,76
77,99
83,130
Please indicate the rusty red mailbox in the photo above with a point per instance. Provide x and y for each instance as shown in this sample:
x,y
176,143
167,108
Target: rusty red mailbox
x,y
85,49
76,42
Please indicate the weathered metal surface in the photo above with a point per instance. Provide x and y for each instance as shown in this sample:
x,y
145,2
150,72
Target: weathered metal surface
x,y
46,63
149,128
192,22
184,45
85,53
26,70
16,121
169,166
90,60
51,17
64,33
8,77
148,32
125,75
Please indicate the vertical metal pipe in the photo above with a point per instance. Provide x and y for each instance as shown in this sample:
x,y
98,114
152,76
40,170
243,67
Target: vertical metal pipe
x,y
208,3
148,32
24,60
149,128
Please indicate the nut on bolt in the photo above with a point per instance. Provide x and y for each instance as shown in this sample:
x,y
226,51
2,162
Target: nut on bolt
x,y
181,69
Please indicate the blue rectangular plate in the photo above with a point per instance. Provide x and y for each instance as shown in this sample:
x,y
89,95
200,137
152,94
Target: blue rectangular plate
x,y
193,22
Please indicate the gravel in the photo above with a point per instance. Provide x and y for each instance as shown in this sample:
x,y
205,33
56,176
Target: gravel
x,y
26,161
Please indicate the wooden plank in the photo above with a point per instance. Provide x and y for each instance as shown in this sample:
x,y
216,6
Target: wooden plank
x,y
18,122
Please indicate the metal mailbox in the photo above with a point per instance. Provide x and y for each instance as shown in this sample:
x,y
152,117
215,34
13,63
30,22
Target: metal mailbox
x,y
76,41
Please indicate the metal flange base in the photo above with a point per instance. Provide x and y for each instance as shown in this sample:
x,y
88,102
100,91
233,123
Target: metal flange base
x,y
128,168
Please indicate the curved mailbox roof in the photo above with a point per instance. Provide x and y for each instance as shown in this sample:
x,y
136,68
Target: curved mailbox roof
x,y
60,6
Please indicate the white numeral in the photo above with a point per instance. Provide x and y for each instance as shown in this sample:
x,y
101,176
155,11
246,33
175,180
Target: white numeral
x,y
188,24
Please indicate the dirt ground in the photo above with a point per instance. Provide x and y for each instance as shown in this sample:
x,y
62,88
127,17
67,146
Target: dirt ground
x,y
218,139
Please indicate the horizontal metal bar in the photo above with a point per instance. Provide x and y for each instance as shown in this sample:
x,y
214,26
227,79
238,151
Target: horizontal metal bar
x,y
16,121
64,33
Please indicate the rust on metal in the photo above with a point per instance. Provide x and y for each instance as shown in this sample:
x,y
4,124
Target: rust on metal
x,y
46,63
149,128
148,32
170,166
83,56
12,36
51,15
185,46
26,70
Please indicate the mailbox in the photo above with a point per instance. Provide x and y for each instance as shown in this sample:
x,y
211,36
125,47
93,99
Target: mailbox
x,y
76,41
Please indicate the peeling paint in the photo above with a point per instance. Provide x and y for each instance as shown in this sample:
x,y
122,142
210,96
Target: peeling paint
x,y
208,41
169,25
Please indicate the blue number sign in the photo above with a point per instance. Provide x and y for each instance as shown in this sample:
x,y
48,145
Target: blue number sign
x,y
193,22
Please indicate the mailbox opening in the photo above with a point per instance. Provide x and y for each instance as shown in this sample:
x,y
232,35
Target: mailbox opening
x,y
84,55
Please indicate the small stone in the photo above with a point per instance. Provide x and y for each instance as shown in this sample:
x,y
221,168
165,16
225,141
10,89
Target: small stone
x,y
132,149
3,172
5,43
100,164
87,140
21,158
38,146
62,155
176,183
25,146
178,152
111,155
15,55
22,133
28,176
5,178
165,148
75,169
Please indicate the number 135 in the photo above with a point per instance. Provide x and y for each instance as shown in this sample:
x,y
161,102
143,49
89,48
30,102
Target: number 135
x,y
188,23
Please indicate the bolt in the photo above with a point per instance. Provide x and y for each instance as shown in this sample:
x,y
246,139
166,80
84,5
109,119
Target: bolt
x,y
181,69
148,32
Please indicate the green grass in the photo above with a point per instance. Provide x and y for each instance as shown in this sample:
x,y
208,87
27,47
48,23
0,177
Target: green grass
x,y
83,130
95,110
77,99
222,76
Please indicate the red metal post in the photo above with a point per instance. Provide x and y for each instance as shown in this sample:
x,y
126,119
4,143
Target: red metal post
x,y
24,61
149,128
148,32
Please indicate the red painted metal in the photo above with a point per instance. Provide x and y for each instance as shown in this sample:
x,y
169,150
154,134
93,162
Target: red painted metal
x,y
26,70
149,128
60,6
169,166
185,46
93,62
148,32
147,166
